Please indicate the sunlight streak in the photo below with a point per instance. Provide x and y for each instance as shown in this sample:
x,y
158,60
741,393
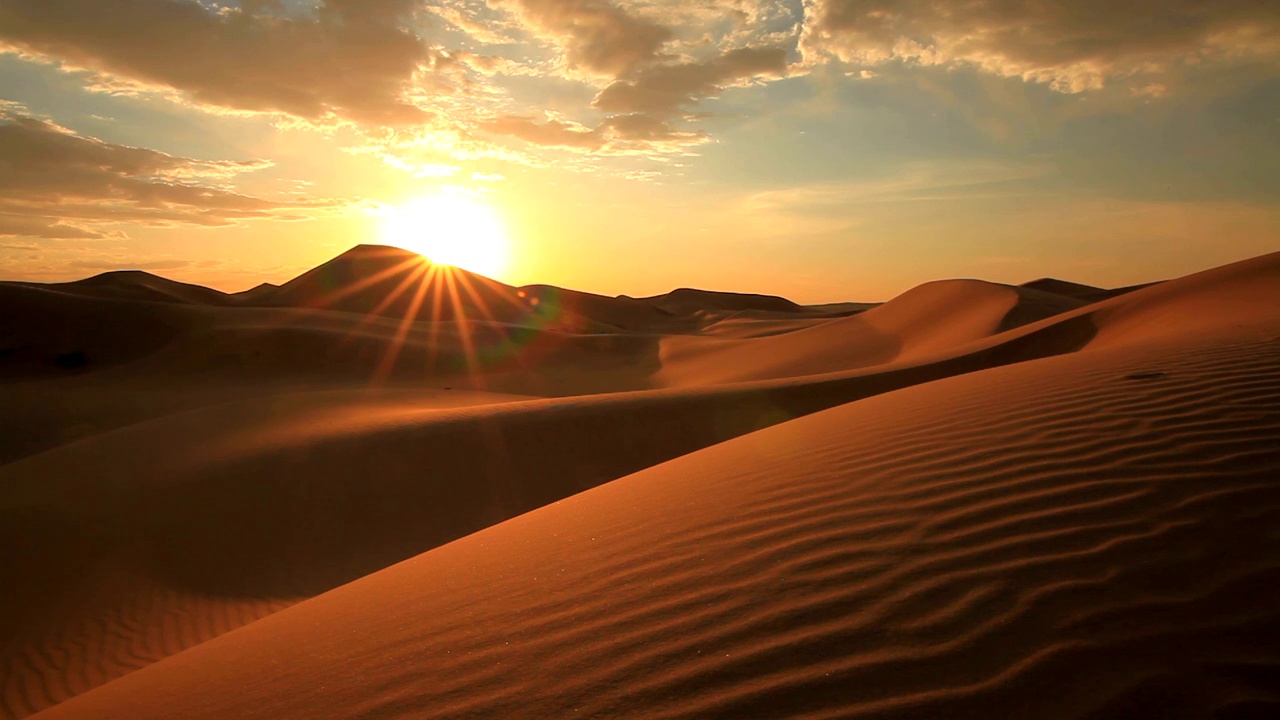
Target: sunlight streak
x,y
381,307
410,316
464,330
330,298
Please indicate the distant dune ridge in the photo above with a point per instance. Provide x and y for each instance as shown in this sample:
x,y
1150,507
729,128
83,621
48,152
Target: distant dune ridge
x,y
975,500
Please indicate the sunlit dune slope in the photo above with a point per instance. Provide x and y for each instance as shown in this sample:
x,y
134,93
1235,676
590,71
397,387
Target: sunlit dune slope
x,y
1088,535
160,535
748,324
927,320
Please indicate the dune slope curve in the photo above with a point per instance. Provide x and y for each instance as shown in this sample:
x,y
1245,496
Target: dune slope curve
x,y
1083,536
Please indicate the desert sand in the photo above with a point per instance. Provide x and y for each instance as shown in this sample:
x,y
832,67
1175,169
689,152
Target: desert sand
x,y
386,489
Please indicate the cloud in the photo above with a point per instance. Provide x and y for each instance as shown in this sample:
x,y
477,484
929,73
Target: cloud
x,y
488,33
44,227
641,131
621,134
364,62
662,89
551,132
349,59
57,184
1073,45
19,246
643,105
594,35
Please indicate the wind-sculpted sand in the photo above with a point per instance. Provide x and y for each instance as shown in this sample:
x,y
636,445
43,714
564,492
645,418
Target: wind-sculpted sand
x,y
972,501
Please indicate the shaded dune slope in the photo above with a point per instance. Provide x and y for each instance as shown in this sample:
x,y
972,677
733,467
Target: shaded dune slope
x,y
687,301
139,285
158,532
387,281
247,296
1087,293
1083,536
599,313
45,332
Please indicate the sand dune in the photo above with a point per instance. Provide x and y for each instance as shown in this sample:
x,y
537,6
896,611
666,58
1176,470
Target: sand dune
x,y
929,320
139,285
687,301
46,332
282,497
120,362
387,281
1083,535
247,296
206,466
391,282
1087,293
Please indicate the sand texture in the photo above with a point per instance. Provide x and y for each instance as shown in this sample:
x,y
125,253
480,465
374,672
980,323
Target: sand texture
x,y
973,501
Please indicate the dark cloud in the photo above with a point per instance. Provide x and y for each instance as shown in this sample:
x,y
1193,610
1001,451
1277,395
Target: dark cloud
x,y
662,89
350,58
1074,45
595,35
57,184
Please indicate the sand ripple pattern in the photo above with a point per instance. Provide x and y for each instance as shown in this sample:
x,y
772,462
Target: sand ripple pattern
x,y
147,623
1087,536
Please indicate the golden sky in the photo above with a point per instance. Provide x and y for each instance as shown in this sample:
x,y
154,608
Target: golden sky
x,y
824,150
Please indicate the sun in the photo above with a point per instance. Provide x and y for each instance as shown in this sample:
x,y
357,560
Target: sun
x,y
450,230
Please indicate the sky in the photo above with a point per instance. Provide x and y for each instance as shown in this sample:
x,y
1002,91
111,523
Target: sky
x,y
825,150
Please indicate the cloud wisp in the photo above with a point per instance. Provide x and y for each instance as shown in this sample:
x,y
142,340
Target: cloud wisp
x,y
1073,45
57,184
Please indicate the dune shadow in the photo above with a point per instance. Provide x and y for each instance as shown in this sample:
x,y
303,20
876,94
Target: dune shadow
x,y
295,522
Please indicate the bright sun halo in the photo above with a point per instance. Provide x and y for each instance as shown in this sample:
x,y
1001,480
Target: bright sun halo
x,y
449,230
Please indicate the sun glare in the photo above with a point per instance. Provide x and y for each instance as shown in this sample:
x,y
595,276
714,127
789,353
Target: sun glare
x,y
449,230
